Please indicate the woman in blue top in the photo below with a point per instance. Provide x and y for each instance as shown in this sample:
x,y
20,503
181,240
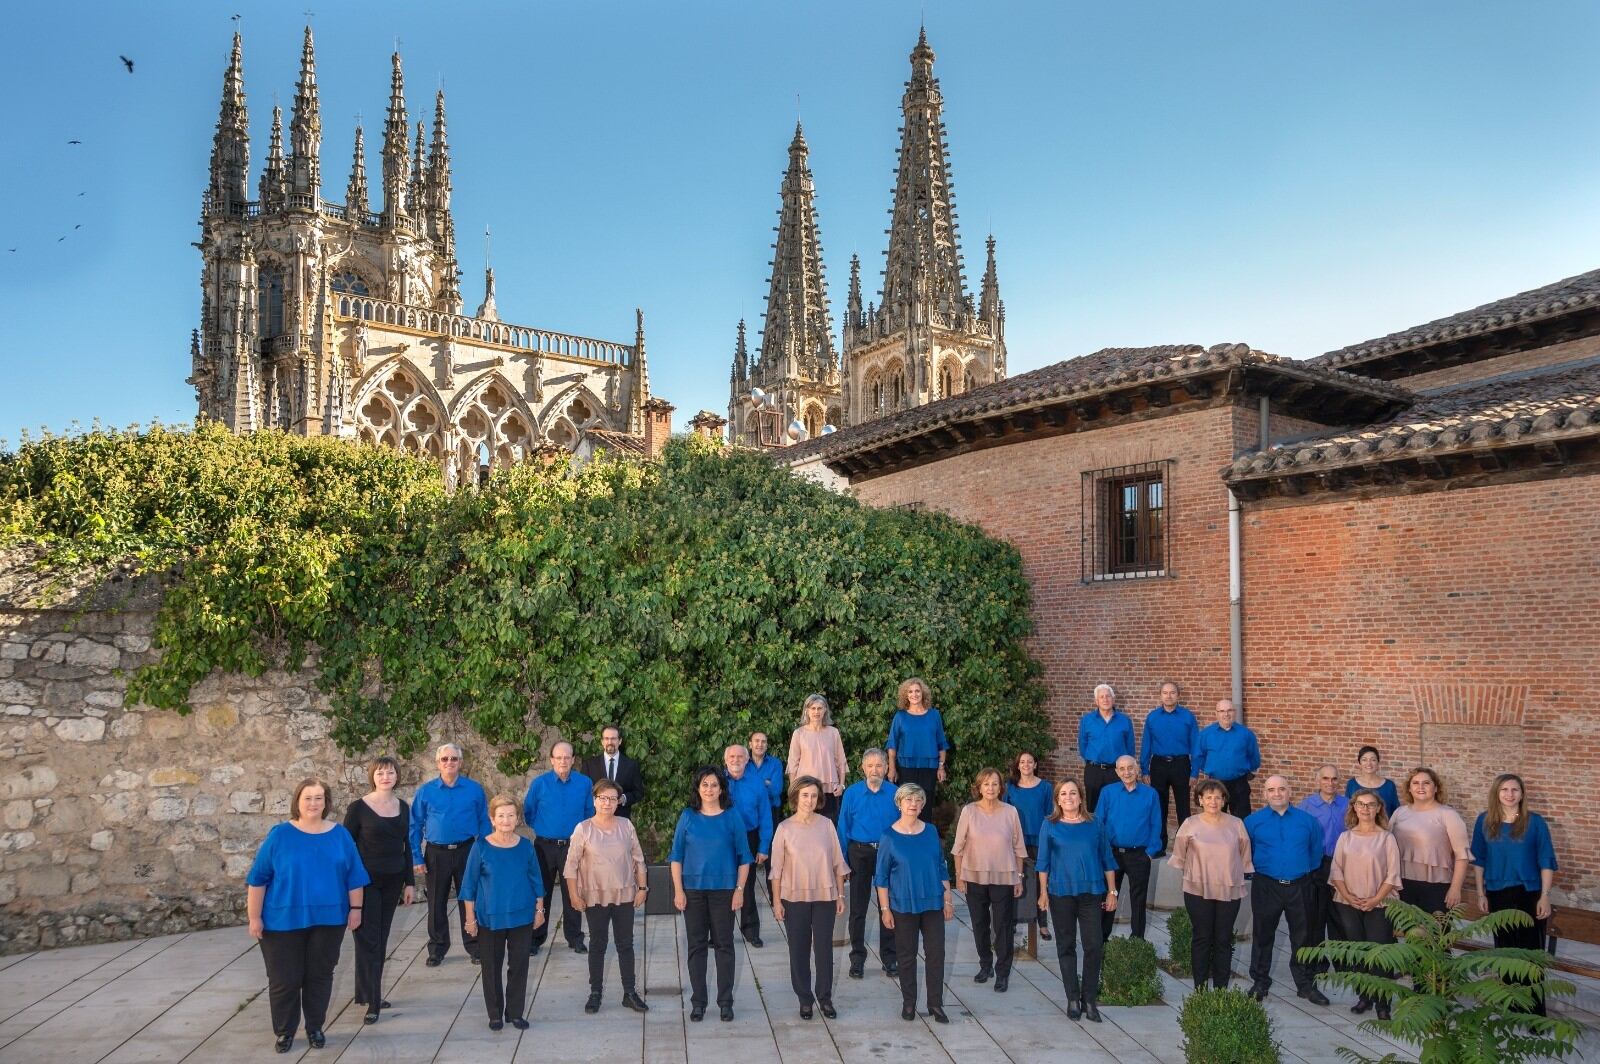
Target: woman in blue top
x,y
913,884
502,890
305,888
1032,797
710,862
1077,879
1368,778
917,744
1515,864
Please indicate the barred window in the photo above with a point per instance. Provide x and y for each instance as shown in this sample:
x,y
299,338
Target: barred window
x,y
1125,516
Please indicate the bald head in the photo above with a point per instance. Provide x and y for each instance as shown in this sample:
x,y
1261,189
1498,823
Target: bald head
x,y
1277,791
1128,771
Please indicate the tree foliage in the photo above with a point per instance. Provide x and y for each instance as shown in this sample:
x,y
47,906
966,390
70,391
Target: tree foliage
x,y
1460,1008
693,600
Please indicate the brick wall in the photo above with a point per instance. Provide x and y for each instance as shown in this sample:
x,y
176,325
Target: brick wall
x,y
1457,629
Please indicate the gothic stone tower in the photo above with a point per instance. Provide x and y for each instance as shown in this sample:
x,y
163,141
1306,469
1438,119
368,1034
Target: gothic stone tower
x,y
926,339
798,364
328,319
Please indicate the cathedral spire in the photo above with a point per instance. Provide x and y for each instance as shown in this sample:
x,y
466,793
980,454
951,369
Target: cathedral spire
x,y
305,132
797,336
924,257
641,378
355,196
989,298
419,180
230,147
853,302
274,186
439,154
396,164
741,358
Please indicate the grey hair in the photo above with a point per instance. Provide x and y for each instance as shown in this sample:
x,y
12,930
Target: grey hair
x,y
559,744
909,790
452,747
1104,687
827,713
873,751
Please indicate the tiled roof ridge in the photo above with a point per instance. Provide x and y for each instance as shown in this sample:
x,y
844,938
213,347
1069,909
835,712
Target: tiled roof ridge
x,y
1058,381
1476,416
1579,291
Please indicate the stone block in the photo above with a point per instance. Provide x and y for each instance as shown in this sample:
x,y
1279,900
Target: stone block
x,y
73,815
18,814
245,801
83,730
120,807
166,724
19,711
35,781
167,807
205,805
84,882
8,888
235,865
64,672
12,841
133,643
173,776
127,726
122,780
43,882
13,651
104,699
226,773
101,840
19,692
97,655
217,719
308,726
52,653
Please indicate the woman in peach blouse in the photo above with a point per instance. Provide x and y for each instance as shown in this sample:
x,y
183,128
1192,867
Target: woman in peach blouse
x,y
817,750
808,870
1213,852
1433,841
989,851
1365,871
606,882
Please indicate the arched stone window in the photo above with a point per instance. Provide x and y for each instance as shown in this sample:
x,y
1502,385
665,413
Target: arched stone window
x,y
946,382
897,389
349,282
813,421
269,303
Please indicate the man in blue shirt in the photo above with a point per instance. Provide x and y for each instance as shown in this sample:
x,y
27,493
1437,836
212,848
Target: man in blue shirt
x,y
1131,812
1167,751
557,802
448,814
749,795
1229,754
1329,806
1104,734
769,770
1285,847
865,813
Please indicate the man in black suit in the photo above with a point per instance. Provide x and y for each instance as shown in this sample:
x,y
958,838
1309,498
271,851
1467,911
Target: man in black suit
x,y
614,765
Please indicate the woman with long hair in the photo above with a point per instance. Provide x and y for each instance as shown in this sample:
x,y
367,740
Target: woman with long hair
x,y
817,750
1033,798
1514,861
1212,850
1433,844
380,823
710,860
1364,873
1077,880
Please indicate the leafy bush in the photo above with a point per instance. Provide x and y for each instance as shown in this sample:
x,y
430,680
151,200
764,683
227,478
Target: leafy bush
x,y
1226,1026
693,600
1128,973
1468,1007
1180,941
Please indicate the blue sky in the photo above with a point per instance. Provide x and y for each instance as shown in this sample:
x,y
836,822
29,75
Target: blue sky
x,y
1297,176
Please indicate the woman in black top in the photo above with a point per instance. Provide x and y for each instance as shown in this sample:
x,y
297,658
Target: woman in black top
x,y
381,824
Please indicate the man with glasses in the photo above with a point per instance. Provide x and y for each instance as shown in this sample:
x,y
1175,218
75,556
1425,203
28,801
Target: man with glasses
x,y
1329,806
447,815
614,765
557,802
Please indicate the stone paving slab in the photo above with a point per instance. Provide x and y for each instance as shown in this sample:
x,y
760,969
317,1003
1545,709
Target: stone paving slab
x,y
200,998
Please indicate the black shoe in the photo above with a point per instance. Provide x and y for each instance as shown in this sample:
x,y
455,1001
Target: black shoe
x,y
1002,982
858,970
534,950
892,971
697,1013
315,1038
633,1001
473,958
1259,991
385,1005
984,972
1313,995
727,1013
520,1024
1074,1009
1091,1012
579,947
828,1010
938,1014
284,1043
805,1012
496,1025
908,1012
755,940
593,1004
434,962
370,1017
1383,1010
1044,933
1361,1006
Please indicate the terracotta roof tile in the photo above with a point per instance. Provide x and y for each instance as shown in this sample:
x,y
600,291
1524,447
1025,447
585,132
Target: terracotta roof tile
x,y
621,442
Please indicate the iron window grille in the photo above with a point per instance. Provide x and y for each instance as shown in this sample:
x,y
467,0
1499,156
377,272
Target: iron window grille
x,y
1126,512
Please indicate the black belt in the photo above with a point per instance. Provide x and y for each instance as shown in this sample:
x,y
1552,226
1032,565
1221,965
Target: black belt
x,y
870,845
1103,764
1289,882
555,842
1169,757
1127,849
453,845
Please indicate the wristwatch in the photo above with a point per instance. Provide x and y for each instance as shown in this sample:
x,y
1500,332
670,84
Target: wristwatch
x,y
1112,893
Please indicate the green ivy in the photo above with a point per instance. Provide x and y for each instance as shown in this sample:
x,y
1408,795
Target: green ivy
x,y
693,599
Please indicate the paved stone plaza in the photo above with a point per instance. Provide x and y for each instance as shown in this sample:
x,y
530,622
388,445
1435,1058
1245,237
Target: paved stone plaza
x,y
201,997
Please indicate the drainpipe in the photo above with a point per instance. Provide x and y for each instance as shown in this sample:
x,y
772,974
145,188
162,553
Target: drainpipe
x,y
1236,574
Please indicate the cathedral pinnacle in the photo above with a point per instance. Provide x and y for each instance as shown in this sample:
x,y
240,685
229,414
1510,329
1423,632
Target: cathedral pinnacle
x,y
853,301
989,297
741,357
273,185
355,197
396,164
419,179
230,148
305,131
439,153
797,335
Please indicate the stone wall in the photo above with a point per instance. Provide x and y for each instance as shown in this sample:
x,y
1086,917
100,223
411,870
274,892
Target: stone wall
x,y
118,821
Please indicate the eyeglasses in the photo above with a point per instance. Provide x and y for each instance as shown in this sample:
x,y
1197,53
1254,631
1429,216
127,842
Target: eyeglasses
x,y
442,760
605,798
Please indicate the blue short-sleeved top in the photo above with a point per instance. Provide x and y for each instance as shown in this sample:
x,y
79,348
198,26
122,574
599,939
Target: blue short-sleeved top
x,y
308,877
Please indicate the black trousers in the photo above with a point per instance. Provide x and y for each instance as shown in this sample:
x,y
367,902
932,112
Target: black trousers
x,y
300,968
372,937
1429,897
708,922
1211,953
1270,901
994,916
1238,796
613,923
1324,924
1096,776
445,866
809,925
1527,901
1133,864
1353,925
928,780
863,859
1077,917
828,807
1170,775
1040,916
749,915
929,927
552,854
505,957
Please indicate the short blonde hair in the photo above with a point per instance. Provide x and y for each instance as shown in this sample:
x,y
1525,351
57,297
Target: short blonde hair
x,y
501,799
905,685
909,790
